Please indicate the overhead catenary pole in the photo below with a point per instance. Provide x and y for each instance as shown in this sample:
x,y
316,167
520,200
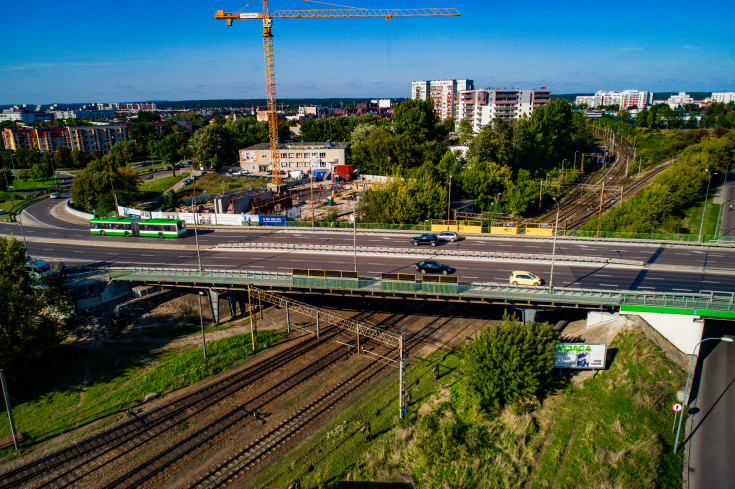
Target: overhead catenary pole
x,y
201,321
449,197
10,411
253,330
401,378
599,213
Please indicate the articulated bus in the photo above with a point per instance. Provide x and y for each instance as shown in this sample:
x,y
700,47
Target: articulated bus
x,y
125,226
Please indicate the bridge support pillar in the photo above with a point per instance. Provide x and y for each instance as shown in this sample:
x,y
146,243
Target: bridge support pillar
x,y
232,302
317,323
214,305
529,315
241,301
684,331
288,320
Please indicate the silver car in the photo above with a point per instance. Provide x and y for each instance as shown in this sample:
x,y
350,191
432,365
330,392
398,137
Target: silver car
x,y
448,236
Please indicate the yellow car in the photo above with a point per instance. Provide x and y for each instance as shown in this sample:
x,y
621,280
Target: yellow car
x,y
524,278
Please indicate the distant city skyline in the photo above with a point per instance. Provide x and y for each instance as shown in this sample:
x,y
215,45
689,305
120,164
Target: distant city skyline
x,y
102,52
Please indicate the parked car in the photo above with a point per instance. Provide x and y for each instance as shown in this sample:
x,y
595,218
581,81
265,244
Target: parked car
x,y
431,266
524,278
448,236
430,239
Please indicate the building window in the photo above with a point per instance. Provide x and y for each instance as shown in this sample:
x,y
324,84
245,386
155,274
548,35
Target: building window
x,y
322,155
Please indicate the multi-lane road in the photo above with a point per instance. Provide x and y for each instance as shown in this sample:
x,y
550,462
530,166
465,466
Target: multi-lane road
x,y
54,235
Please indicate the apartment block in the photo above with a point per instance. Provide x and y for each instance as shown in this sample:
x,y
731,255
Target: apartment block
x,y
723,97
91,139
675,101
294,157
443,93
480,107
625,99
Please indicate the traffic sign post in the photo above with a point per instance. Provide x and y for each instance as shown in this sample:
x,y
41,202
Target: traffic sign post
x,y
677,408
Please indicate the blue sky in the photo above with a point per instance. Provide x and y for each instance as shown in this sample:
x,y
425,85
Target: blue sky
x,y
85,51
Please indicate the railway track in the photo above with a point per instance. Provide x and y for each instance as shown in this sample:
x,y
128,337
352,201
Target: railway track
x,y
241,463
162,462
79,460
578,207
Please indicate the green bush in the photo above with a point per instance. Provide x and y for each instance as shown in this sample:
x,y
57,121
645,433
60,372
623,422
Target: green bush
x,y
510,363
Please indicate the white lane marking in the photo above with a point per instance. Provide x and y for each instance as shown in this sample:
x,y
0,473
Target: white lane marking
x,y
509,246
683,290
371,271
710,255
147,255
298,261
608,285
284,268
470,277
78,251
113,254
339,262
652,278
378,264
378,240
709,282
650,288
47,249
598,275
504,270
683,254
256,266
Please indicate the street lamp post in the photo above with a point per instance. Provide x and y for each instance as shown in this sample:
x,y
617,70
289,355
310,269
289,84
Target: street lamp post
x,y
201,321
553,252
706,195
449,197
354,233
574,166
722,203
196,230
689,376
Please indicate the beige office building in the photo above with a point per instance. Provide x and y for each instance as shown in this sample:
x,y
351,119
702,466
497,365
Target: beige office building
x,y
294,157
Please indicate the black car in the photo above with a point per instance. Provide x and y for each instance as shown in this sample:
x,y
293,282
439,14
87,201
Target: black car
x,y
431,266
431,239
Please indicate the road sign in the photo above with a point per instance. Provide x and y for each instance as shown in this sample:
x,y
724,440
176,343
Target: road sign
x,y
677,407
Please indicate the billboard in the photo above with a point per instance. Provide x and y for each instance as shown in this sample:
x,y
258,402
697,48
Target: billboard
x,y
272,220
580,355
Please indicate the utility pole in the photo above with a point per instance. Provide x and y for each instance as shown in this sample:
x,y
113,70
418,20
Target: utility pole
x,y
7,405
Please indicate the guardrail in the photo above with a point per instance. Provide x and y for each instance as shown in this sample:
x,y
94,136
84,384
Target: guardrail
x,y
717,304
438,251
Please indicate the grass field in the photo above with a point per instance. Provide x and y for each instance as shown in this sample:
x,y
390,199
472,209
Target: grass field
x,y
81,385
20,185
159,185
694,219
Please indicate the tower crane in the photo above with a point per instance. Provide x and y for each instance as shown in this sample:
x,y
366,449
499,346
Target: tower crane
x,y
270,73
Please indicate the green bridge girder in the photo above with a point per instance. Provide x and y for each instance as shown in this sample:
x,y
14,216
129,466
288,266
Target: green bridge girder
x,y
711,304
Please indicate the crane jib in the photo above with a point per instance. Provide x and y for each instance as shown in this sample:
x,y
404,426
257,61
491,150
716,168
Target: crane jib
x,y
293,14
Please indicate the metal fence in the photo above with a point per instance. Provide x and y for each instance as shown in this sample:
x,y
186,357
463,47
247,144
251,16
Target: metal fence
x,y
709,301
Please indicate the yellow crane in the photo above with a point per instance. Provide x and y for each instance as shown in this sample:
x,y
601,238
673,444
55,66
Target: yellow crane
x,y
270,72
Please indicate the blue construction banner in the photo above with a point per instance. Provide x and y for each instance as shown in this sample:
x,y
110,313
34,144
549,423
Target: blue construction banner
x,y
272,220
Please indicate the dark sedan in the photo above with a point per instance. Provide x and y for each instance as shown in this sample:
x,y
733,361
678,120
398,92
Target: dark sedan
x,y
431,266
430,239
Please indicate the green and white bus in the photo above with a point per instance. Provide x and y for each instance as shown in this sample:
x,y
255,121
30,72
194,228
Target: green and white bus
x,y
125,226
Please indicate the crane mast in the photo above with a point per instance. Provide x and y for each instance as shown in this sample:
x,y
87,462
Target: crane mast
x,y
270,71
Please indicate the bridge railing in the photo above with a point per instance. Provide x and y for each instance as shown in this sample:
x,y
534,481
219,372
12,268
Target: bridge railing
x,y
707,301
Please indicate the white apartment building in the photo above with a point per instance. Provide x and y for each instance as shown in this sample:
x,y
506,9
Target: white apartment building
x,y
444,94
480,107
723,97
675,101
624,99
294,156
